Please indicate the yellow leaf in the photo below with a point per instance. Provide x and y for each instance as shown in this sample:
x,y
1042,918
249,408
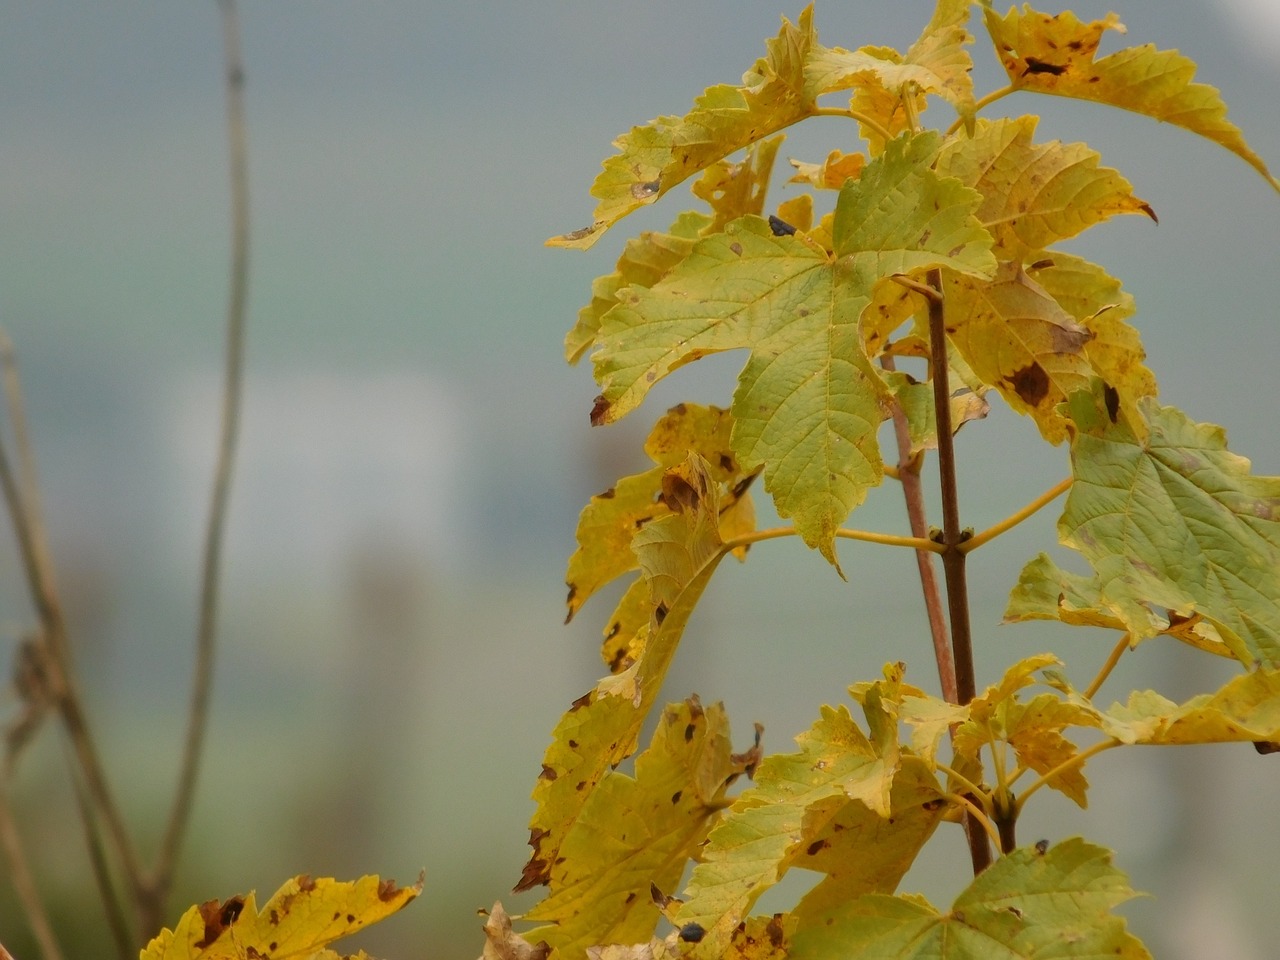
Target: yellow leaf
x,y
677,553
1055,54
1247,708
299,920
725,118
1016,338
1035,194
831,173
734,190
635,834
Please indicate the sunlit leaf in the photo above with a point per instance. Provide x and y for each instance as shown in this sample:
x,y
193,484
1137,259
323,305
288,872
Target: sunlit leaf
x,y
1056,54
299,920
725,118
635,833
1026,905
1035,194
832,172
733,190
1177,522
1247,708
808,402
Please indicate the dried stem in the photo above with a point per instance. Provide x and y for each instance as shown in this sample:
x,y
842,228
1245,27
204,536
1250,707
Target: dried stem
x,y
23,881
152,907
953,557
913,494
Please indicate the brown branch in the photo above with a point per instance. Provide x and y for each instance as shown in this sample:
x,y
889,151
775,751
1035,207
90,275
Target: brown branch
x,y
913,494
153,906
953,557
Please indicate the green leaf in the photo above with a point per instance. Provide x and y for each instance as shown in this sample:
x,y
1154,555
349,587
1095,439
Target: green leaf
x,y
808,402
811,809
725,118
1055,54
635,833
1028,904
1035,194
1175,522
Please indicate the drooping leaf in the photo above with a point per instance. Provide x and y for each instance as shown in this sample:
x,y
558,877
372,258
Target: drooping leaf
x,y
733,190
503,943
1026,905
832,172
813,809
1097,302
1175,522
725,118
1016,338
1056,54
677,554
1035,194
808,401
636,833
299,920
609,523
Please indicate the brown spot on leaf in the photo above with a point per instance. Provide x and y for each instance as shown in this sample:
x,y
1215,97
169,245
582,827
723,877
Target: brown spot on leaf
x,y
217,917
306,884
1031,383
351,918
736,248
548,773
689,731
1149,211
1111,397
581,702
1042,847
817,846
726,463
660,613
630,897
607,494
675,797
1265,747
937,803
773,930
600,411
1035,65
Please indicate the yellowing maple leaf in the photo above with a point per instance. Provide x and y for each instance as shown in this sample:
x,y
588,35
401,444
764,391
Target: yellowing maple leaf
x,y
1175,522
1246,708
1027,904
637,833
725,118
1035,194
299,920
808,402
1055,54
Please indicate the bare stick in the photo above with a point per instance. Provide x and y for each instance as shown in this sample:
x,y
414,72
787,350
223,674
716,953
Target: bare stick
x,y
102,872
953,557
206,631
913,493
23,882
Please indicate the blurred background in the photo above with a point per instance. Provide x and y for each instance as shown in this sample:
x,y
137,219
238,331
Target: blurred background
x,y
415,451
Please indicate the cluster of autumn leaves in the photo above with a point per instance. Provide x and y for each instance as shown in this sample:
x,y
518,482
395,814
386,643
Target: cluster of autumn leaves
x,y
1181,538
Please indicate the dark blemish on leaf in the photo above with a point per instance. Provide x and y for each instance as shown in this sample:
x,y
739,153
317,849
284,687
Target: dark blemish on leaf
x,y
817,846
959,916
336,915
351,918
599,410
630,897
613,629
689,731
1015,911
736,248
272,945
924,238
773,930
675,797
607,494
231,911
1042,847
643,191
1094,79
1041,264
580,786
937,803
651,376
780,227
579,233
1035,65
692,933
726,463
618,660
573,744
1031,383
1265,748
548,773
274,918
306,884
641,521
581,702
1146,208
660,613
1111,397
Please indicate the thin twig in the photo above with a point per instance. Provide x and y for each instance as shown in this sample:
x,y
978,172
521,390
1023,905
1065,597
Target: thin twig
x,y
913,494
844,533
206,630
1008,523
102,872
23,882
953,566
1075,761
871,122
1116,653
37,564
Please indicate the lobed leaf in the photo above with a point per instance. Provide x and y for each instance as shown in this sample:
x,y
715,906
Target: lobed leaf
x,y
725,118
1056,54
808,402
1246,708
677,553
1174,522
299,920
637,833
1035,194
1028,904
